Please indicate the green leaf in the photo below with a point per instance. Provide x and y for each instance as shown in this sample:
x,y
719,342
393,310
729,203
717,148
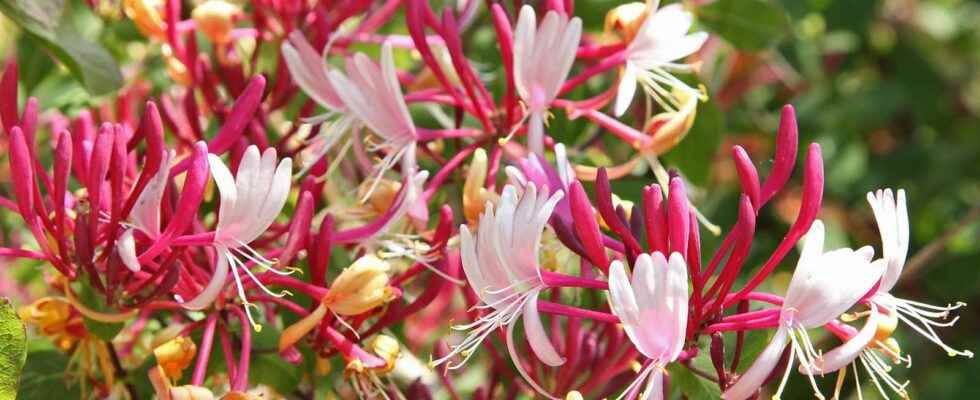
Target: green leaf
x,y
44,377
272,370
694,155
692,386
747,24
13,349
88,62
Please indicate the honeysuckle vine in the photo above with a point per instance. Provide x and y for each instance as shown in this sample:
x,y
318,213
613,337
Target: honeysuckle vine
x,y
433,209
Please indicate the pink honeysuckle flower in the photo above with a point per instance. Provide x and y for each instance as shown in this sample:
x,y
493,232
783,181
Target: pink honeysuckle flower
x,y
661,40
653,310
250,202
885,311
824,286
501,265
543,56
371,92
309,69
145,215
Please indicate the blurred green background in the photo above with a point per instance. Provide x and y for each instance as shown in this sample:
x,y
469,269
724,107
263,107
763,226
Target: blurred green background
x,y
889,88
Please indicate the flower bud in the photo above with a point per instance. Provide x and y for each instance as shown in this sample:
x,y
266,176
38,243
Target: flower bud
x,y
625,20
215,19
475,196
175,355
146,15
574,395
190,392
360,287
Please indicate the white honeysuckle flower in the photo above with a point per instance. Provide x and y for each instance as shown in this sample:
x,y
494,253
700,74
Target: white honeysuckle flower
x,y
145,215
372,93
824,286
501,265
543,56
250,202
885,310
653,311
661,40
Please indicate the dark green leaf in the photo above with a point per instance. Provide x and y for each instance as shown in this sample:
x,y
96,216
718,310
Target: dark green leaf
x,y
13,349
44,377
746,24
88,62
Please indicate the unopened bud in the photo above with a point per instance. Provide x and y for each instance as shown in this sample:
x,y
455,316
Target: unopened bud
x,y
474,194
360,287
215,19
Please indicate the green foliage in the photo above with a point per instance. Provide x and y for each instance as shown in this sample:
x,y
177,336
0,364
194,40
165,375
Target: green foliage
x,y
13,349
88,62
44,377
747,24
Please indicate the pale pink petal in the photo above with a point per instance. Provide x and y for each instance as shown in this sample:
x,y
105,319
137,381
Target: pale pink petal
x,y
214,287
536,336
145,214
752,379
226,187
655,386
309,71
847,352
126,248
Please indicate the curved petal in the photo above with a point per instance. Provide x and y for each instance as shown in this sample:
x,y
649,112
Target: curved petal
x,y
145,214
536,336
752,379
126,248
214,287
625,91
847,352
226,188
512,350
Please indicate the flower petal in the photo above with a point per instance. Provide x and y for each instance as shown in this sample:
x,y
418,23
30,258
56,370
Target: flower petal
x,y
126,248
536,336
847,352
752,379
214,287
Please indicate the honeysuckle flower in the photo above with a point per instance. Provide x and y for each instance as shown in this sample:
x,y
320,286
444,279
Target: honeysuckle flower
x,y
501,265
660,41
175,355
543,56
145,215
215,19
55,319
359,288
309,70
653,310
372,93
824,286
885,310
250,202
891,214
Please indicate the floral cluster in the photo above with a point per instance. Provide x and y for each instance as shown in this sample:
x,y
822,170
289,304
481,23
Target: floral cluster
x,y
382,199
